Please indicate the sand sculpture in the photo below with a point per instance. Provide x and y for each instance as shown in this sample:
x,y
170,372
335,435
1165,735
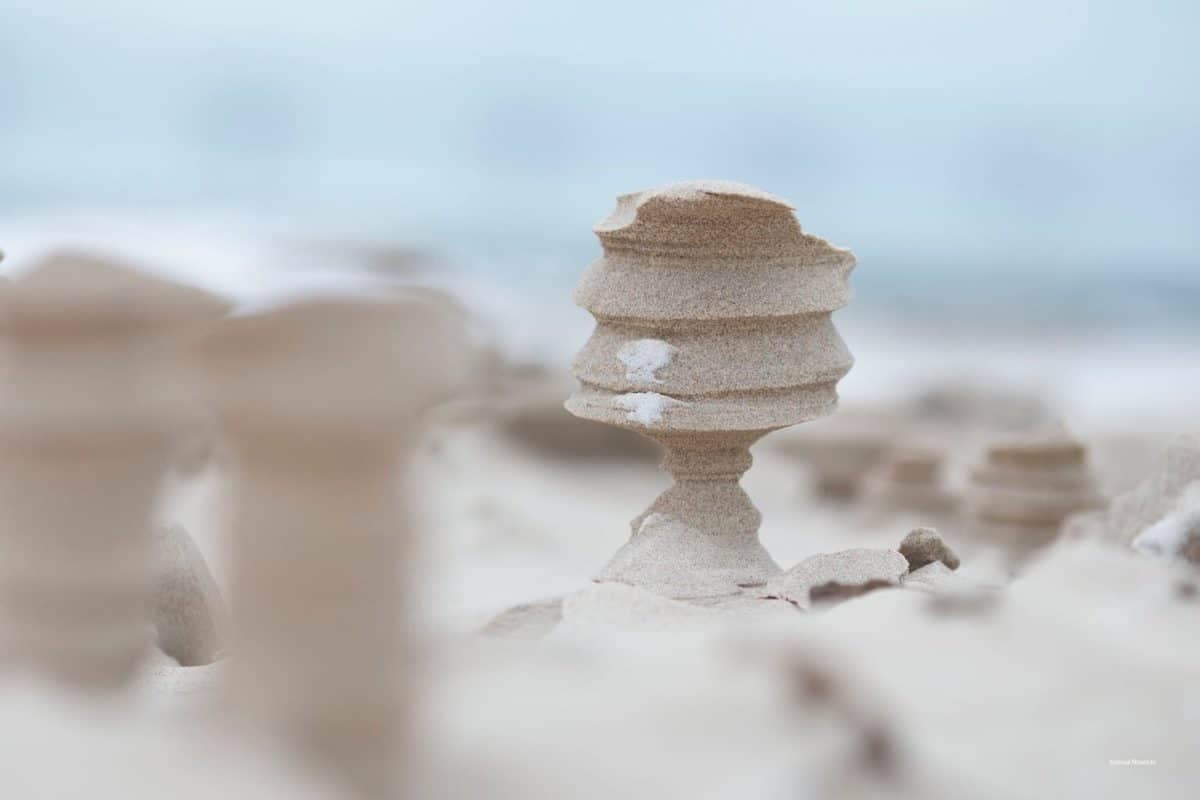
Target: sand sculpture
x,y
713,328
909,479
317,401
1026,487
92,402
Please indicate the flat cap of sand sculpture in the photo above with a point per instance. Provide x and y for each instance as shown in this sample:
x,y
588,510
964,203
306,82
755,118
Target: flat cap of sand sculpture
x,y
713,328
73,290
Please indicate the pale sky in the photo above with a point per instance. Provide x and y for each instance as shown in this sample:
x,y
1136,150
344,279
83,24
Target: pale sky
x,y
1057,130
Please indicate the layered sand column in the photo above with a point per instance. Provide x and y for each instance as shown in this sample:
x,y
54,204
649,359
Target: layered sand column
x,y
713,328
1026,488
910,478
840,461
319,401
93,401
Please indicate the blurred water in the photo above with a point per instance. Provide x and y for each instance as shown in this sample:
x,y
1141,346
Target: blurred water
x,y
985,159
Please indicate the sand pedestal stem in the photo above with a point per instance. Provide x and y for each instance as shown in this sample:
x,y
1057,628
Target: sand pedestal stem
x,y
699,538
319,401
318,539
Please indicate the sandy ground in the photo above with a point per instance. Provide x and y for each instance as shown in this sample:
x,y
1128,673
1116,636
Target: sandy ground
x,y
1073,678
1078,676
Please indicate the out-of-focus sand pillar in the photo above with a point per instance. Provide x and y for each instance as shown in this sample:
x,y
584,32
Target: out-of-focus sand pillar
x,y
318,401
90,401
713,328
1026,488
909,478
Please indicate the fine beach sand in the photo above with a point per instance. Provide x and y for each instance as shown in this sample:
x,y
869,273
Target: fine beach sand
x,y
1062,680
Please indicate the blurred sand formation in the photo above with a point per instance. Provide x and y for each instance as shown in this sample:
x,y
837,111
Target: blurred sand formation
x,y
910,478
842,449
94,402
851,457
319,402
979,403
318,399
1027,487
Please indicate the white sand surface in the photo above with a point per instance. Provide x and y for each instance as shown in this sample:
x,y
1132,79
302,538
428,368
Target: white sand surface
x,y
1076,678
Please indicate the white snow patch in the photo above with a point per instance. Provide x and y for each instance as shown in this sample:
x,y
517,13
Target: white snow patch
x,y
643,358
645,407
1167,537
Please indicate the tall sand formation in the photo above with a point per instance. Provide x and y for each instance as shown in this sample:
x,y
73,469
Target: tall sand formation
x,y
713,328
94,400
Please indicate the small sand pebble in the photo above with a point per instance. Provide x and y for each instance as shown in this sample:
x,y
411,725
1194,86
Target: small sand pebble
x,y
924,546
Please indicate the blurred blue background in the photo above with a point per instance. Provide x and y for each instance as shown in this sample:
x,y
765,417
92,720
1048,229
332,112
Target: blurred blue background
x,y
1036,158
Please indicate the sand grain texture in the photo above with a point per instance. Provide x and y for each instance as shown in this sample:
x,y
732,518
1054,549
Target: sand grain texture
x,y
188,613
836,576
699,281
